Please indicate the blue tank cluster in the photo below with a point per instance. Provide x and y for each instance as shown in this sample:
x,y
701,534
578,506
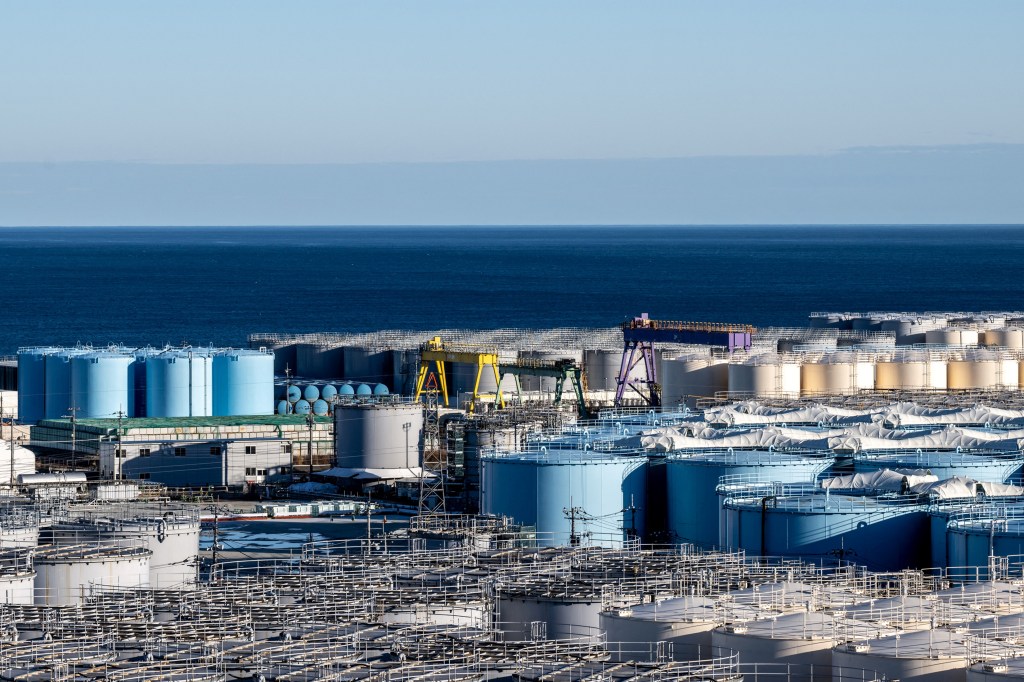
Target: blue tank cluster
x,y
145,382
300,397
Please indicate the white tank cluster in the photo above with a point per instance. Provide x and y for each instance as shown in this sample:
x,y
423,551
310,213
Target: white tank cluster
x,y
53,382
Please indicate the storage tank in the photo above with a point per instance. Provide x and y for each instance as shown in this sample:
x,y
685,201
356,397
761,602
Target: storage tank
x,y
63,572
692,480
765,375
566,613
952,336
686,378
179,383
320,407
376,436
982,465
243,383
329,393
812,525
19,531
293,394
910,371
17,577
602,368
368,365
284,407
318,361
971,540
537,487
837,374
981,370
482,435
302,407
1006,337
935,655
137,380
58,382
685,622
32,383
816,344
102,384
804,638
534,383
311,393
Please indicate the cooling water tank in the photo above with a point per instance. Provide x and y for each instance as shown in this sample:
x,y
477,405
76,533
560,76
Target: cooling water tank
x,y
692,480
378,436
32,383
243,383
102,385
685,379
536,487
179,383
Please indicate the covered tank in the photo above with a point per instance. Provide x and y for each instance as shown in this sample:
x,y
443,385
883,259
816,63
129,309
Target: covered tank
x,y
598,495
685,379
981,465
32,383
378,436
179,383
692,480
102,385
243,383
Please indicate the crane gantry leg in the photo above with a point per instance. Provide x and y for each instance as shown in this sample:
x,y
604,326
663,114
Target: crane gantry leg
x,y
424,369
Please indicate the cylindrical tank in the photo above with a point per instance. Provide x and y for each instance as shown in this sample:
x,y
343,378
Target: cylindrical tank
x,y
685,379
765,376
481,436
1006,337
102,386
981,372
378,436
971,541
685,622
243,383
137,381
58,382
63,571
564,615
32,383
320,407
820,344
934,655
602,368
692,480
914,371
837,375
804,638
537,487
952,336
17,578
318,361
368,365
979,466
534,383
311,393
302,407
179,383
18,531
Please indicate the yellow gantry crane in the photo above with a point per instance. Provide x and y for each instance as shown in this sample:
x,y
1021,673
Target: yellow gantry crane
x,y
438,352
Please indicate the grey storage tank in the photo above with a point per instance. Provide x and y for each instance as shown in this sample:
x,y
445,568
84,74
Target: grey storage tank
x,y
371,436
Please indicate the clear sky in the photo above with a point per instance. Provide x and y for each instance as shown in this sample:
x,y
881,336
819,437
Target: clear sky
x,y
335,82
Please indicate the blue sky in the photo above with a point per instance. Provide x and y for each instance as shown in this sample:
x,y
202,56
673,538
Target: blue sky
x,y
381,82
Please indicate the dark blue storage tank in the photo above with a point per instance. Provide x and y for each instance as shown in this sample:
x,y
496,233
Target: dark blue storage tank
x,y
32,383
103,386
58,382
243,383
972,537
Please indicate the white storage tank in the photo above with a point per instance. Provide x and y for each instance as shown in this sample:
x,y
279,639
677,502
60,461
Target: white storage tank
x,y
934,655
19,531
65,572
910,371
686,378
952,336
765,375
837,374
371,436
565,610
1005,337
17,577
804,638
685,622
981,370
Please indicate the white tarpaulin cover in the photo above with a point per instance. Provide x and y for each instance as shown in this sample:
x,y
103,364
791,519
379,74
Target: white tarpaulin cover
x,y
948,438
668,439
995,489
948,489
911,414
883,479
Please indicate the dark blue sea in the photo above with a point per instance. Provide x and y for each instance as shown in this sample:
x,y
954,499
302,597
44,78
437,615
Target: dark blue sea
x,y
217,285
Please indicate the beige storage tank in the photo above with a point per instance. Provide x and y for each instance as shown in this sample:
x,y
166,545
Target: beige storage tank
x,y
764,375
982,371
1006,337
684,378
910,371
952,336
837,374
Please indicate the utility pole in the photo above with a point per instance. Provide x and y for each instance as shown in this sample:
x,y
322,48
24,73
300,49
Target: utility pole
x,y
632,522
310,420
571,513
74,430
118,451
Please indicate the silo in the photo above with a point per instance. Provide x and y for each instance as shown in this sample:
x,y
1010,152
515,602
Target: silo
x,y
318,361
368,365
813,525
32,383
533,383
102,385
765,375
179,383
243,383
1006,337
17,577
58,382
62,571
910,371
371,436
692,480
686,378
599,493
837,374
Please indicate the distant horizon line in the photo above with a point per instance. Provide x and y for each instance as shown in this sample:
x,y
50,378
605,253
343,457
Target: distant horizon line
x,y
343,226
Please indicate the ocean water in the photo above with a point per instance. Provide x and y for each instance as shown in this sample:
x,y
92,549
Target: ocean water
x,y
216,285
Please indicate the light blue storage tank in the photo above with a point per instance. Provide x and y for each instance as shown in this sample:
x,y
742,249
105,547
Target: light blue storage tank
x,y
329,393
692,480
301,407
293,394
58,382
364,389
881,534
311,393
537,487
284,407
32,383
243,383
346,390
380,389
103,386
179,383
320,407
980,465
